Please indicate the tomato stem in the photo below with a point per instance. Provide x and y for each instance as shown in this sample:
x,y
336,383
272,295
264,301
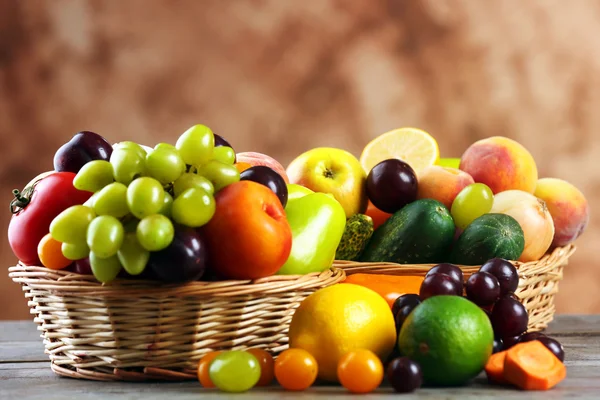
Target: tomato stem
x,y
20,200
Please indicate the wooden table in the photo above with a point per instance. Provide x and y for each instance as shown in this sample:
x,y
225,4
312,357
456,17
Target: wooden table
x,y
25,374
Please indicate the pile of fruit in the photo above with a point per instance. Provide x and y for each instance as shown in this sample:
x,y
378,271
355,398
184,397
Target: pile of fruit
x,y
175,213
423,209
444,335
197,210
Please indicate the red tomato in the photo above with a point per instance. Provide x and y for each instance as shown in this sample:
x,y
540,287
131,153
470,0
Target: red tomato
x,y
249,236
28,225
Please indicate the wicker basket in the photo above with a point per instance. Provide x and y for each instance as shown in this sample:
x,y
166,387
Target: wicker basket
x,y
141,330
538,283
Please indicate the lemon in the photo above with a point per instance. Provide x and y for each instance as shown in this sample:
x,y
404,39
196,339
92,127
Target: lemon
x,y
411,145
335,320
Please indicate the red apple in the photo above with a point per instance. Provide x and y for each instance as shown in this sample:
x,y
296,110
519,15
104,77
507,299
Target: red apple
x,y
249,236
255,159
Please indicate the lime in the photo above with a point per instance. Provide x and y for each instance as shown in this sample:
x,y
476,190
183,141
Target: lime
x,y
450,337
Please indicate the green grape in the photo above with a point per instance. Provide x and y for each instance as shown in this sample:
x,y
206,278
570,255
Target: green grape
x,y
112,200
167,205
71,225
220,174
130,225
165,146
196,145
130,146
93,176
471,203
193,208
164,165
145,196
90,202
225,154
105,269
75,251
105,236
127,165
189,181
234,371
155,232
132,255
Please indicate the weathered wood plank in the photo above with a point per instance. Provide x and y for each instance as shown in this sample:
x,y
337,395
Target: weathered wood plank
x,y
574,325
23,376
22,331
22,351
25,383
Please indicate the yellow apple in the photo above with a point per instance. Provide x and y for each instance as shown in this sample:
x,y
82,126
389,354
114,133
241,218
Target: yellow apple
x,y
334,171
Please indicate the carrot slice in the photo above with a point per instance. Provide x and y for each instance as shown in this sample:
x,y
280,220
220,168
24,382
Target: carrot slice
x,y
531,366
494,368
390,287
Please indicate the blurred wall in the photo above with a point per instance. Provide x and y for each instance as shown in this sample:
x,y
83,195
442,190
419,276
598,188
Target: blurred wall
x,y
281,77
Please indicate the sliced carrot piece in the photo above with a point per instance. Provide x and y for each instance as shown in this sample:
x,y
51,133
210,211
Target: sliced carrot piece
x,y
494,368
390,287
531,366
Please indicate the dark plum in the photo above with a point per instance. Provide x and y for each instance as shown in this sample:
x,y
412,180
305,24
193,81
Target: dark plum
x,y
221,141
401,316
391,185
184,260
405,300
85,146
483,289
509,317
438,285
528,337
452,271
511,341
498,345
404,375
554,346
505,272
83,267
269,178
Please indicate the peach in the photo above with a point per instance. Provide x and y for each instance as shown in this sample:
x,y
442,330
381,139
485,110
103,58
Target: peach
x,y
254,159
568,207
442,184
501,163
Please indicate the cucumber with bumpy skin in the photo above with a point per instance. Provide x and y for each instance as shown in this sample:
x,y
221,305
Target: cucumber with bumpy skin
x,y
419,233
358,231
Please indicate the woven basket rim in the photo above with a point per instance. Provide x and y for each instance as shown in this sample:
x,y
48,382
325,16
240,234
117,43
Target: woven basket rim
x,y
556,255
71,283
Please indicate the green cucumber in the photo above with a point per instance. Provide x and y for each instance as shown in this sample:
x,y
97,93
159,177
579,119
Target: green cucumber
x,y
421,232
489,236
358,231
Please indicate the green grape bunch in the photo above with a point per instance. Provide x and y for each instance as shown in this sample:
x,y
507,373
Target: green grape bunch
x,y
139,196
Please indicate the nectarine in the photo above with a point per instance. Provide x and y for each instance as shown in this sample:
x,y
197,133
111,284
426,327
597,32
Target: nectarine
x,y
442,184
249,236
568,207
501,163
253,158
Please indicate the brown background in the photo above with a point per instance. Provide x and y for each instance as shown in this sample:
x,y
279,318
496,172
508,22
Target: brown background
x,y
281,77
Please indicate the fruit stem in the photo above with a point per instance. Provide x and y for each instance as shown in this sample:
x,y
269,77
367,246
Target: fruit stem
x,y
20,200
